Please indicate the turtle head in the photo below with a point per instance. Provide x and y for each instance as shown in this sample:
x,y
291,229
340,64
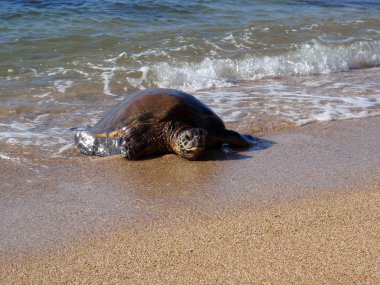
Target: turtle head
x,y
190,143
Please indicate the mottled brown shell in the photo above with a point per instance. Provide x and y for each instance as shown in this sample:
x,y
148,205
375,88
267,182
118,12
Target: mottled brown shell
x,y
154,106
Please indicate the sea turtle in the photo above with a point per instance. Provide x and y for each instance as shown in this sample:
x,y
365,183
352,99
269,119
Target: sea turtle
x,y
158,121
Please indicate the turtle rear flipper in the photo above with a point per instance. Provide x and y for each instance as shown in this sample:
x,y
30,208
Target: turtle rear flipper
x,y
233,139
91,145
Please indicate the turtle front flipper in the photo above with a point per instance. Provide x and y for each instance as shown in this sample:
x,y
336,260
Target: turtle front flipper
x,y
142,140
133,149
232,138
101,146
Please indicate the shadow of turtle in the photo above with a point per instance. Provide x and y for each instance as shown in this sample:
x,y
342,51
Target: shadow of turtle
x,y
228,153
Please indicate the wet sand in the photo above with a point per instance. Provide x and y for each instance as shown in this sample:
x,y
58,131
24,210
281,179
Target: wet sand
x,y
303,207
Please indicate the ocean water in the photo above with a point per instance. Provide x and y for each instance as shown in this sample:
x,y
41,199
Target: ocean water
x,y
258,64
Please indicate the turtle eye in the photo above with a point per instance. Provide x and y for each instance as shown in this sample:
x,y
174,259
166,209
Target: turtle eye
x,y
187,137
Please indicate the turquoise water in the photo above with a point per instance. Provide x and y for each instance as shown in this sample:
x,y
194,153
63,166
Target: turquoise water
x,y
63,63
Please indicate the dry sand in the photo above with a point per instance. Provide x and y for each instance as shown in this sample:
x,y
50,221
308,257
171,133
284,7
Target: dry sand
x,y
301,208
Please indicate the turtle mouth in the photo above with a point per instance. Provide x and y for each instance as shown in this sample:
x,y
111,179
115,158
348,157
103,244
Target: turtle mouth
x,y
193,153
199,147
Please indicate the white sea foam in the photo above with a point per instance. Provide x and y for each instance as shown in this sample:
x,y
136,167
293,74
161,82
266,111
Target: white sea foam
x,y
18,133
55,71
42,95
146,69
139,82
373,31
62,85
307,59
229,105
4,156
18,126
300,101
343,108
310,27
65,148
107,77
115,59
108,72
39,117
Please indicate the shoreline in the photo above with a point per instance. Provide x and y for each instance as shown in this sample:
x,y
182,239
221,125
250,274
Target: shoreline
x,y
191,222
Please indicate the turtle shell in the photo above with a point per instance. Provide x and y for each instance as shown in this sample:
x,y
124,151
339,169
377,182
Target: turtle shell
x,y
154,106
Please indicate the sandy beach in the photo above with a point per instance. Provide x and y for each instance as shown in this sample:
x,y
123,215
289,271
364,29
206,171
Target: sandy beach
x,y
302,207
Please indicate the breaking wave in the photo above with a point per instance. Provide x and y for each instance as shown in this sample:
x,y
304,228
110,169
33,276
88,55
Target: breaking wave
x,y
164,68
313,58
